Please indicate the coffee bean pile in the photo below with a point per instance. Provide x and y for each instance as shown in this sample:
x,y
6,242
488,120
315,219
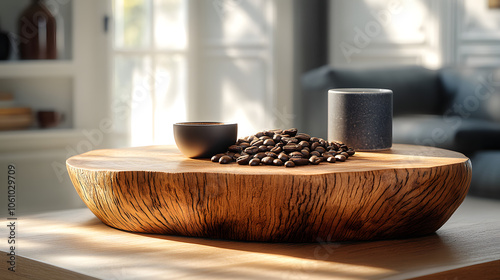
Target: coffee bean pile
x,y
284,147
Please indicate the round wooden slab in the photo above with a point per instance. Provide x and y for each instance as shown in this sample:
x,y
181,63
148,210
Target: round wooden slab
x,y
403,192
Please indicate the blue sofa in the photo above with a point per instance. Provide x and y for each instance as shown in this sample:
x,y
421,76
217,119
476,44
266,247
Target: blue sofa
x,y
454,108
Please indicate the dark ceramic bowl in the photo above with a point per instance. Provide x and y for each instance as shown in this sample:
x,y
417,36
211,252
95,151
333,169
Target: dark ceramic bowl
x,y
204,139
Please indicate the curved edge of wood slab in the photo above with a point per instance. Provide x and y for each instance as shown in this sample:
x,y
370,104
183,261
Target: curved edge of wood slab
x,y
338,206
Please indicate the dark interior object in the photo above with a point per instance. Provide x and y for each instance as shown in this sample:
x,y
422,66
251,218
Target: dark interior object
x,y
37,28
4,46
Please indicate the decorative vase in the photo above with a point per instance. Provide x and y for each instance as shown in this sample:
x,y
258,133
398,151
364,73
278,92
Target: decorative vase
x,y
37,31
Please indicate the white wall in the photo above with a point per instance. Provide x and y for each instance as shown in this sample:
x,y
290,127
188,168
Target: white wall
x,y
244,70
421,32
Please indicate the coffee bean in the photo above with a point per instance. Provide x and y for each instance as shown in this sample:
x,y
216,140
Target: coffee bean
x,y
315,160
278,147
216,157
225,159
290,131
289,164
276,131
254,162
243,160
300,161
315,153
236,155
260,155
320,149
327,154
235,148
271,154
303,137
291,148
269,133
335,145
283,157
340,158
277,150
290,140
296,154
304,144
252,150
244,145
305,153
267,160
314,145
277,162
257,142
269,142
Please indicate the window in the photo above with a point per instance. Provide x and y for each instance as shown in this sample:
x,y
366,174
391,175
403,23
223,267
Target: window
x,y
199,60
150,68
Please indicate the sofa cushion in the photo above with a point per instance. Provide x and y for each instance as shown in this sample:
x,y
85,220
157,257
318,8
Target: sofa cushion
x,y
449,132
485,175
472,92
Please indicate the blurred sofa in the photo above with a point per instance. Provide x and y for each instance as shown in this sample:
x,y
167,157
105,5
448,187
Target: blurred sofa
x,y
455,108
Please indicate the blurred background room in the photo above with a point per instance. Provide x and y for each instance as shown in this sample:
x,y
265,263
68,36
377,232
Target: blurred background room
x,y
120,73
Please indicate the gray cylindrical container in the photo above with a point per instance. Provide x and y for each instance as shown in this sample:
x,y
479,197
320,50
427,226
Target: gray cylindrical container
x,y
360,117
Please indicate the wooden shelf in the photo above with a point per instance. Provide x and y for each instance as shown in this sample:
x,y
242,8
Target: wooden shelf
x,y
37,139
36,68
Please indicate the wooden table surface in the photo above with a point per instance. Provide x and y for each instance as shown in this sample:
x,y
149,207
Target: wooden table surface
x,y
74,244
405,191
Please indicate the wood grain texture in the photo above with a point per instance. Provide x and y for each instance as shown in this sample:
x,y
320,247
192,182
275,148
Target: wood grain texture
x,y
404,192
